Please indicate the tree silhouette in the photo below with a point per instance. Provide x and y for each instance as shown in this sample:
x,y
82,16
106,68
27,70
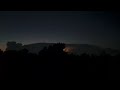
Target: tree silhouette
x,y
24,51
53,63
56,49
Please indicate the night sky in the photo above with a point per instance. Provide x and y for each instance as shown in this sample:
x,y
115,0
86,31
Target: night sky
x,y
80,27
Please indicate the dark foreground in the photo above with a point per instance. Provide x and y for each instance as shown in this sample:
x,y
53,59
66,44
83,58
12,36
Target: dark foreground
x,y
57,65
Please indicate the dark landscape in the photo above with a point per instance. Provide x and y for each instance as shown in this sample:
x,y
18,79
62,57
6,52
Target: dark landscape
x,y
60,45
53,63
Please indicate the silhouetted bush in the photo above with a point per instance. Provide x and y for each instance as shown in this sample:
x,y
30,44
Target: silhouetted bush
x,y
53,63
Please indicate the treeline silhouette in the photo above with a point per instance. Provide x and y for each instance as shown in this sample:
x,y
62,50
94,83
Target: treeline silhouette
x,y
52,63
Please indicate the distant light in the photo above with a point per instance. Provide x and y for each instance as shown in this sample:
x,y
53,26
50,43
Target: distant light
x,y
68,49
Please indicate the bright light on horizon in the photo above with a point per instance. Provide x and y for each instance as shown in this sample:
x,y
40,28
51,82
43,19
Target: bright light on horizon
x,y
2,47
68,49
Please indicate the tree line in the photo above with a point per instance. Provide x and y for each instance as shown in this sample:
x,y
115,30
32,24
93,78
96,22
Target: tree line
x,y
55,64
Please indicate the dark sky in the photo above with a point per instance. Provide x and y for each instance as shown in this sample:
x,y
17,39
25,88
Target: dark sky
x,y
87,27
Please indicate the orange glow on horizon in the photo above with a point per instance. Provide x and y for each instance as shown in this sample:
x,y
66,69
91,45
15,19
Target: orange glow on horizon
x,y
68,49
2,47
